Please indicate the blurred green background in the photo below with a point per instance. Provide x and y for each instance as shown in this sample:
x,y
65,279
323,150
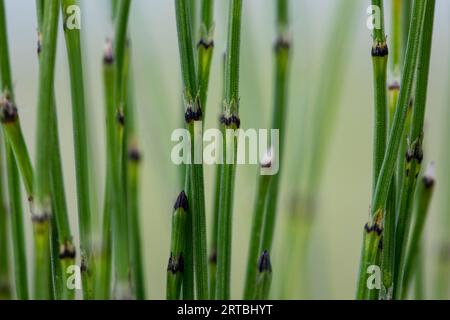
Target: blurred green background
x,y
343,200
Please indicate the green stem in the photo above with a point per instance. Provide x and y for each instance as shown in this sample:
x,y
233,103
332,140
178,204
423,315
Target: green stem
x,y
255,236
379,62
416,139
175,268
424,195
373,229
281,85
72,35
42,210
65,250
13,178
103,281
194,120
120,224
231,121
188,275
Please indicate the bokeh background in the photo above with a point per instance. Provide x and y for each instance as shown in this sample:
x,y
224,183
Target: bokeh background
x,y
342,201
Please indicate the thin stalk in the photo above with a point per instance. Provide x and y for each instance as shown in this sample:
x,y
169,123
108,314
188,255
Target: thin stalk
x,y
134,159
65,249
42,209
419,276
231,121
216,208
194,121
72,36
205,51
373,229
120,224
5,283
13,178
103,280
263,278
379,63
188,261
256,235
416,136
281,85
424,195
175,267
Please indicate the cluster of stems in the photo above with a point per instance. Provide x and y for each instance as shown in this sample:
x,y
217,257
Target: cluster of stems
x,y
389,236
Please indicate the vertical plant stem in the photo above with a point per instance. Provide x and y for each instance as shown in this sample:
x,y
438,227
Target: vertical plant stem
x,y
65,250
255,236
175,267
379,62
11,126
231,121
5,283
42,210
281,85
103,276
72,35
120,223
424,194
188,261
373,229
194,120
416,135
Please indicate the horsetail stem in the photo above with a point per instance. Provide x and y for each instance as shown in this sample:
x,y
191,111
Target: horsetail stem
x,y
416,136
42,210
119,221
205,51
73,45
231,121
281,85
65,252
379,63
103,281
13,177
175,267
5,284
256,235
194,121
373,229
424,194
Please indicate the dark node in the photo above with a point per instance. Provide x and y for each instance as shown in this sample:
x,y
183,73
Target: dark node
x,y
40,219
264,262
236,120
189,115
282,43
121,118
375,228
8,112
428,182
176,264
67,252
409,155
380,50
182,202
395,86
134,155
205,44
213,257
418,154
407,172
108,58
197,115
380,245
